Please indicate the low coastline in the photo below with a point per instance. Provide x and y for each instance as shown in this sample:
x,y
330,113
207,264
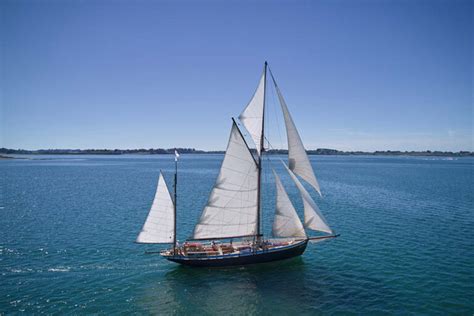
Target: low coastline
x,y
6,153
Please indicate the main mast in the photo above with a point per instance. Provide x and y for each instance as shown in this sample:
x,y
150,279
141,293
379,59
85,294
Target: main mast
x,y
175,189
262,149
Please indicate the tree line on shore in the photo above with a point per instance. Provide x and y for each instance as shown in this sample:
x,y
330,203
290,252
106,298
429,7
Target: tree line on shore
x,y
162,151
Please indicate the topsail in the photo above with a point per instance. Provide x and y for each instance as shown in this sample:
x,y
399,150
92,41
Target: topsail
x,y
298,160
252,116
159,225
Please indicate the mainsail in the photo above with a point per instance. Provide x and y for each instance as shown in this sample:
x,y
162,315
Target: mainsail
x,y
159,225
298,160
231,210
252,116
286,222
313,218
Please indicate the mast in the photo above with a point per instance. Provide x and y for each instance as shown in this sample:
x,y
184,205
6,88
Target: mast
x,y
262,148
175,184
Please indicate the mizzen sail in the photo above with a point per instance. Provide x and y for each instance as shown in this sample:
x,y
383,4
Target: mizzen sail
x,y
252,116
298,160
286,222
159,225
313,218
231,210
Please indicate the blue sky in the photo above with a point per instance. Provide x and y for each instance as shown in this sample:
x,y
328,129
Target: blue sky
x,y
357,75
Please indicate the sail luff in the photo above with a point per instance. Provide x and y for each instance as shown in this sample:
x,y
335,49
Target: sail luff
x,y
313,218
159,226
286,222
298,160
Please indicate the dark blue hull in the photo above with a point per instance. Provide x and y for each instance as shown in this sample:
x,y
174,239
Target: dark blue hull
x,y
260,256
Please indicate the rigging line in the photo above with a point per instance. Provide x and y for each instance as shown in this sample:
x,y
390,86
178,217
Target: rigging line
x,y
278,127
268,156
276,91
273,97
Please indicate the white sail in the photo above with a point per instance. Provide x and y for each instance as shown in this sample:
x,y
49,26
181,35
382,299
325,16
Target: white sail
x,y
313,218
231,210
159,225
252,116
286,222
298,160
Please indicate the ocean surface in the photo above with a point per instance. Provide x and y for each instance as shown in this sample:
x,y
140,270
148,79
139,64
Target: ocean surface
x,y
68,225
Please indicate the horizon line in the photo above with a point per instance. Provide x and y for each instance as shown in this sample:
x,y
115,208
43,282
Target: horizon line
x,y
186,150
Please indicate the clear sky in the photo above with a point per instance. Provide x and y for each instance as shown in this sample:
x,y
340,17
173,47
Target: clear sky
x,y
357,75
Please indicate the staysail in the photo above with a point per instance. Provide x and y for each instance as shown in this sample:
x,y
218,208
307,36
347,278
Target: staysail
x,y
252,116
298,160
159,225
313,218
231,210
286,222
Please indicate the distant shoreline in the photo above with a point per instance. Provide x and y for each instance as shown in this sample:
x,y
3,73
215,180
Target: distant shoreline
x,y
4,152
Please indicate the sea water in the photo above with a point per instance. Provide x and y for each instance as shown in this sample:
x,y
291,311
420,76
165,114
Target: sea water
x,y
68,225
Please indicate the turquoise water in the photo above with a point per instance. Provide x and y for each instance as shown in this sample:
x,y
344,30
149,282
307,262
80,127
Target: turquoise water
x,y
68,224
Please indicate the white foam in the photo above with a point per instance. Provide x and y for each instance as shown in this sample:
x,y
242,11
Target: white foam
x,y
60,269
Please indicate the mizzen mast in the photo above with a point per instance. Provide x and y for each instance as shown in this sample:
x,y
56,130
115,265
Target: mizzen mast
x,y
176,155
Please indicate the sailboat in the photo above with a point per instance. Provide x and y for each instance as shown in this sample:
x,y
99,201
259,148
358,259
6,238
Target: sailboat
x,y
229,231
